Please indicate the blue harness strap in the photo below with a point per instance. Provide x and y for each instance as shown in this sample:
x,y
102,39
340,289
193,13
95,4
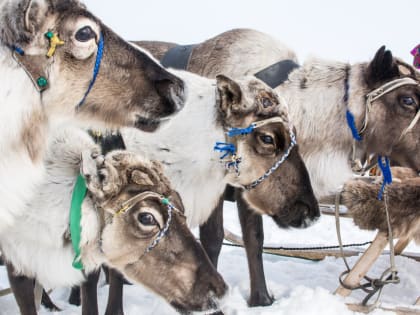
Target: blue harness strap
x,y
386,172
98,60
225,148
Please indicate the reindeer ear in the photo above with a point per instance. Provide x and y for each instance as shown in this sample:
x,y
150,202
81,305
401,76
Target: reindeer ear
x,y
141,178
230,94
21,20
382,67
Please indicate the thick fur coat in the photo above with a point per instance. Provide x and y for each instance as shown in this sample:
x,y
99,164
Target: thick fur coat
x,y
361,199
27,114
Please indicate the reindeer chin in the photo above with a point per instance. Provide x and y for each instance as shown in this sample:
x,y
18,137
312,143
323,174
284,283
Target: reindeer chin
x,y
147,124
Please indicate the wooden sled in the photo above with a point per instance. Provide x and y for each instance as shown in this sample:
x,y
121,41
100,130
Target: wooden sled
x,y
310,253
369,213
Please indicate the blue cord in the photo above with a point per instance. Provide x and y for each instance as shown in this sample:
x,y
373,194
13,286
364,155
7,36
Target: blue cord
x,y
95,69
19,50
352,125
232,132
226,148
387,175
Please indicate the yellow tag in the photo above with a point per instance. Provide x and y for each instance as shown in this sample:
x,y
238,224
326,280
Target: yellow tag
x,y
54,42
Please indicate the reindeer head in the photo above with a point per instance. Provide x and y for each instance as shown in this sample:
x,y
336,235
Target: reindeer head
x,y
286,194
145,237
130,88
391,128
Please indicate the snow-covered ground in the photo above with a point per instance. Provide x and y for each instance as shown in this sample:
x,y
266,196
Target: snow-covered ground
x,y
299,286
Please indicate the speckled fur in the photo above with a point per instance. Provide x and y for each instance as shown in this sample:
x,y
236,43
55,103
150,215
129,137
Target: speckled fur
x,y
403,197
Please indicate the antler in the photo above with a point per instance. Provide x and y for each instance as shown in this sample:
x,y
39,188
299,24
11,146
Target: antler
x,y
102,177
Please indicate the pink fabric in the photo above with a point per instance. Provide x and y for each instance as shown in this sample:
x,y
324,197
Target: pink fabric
x,y
416,53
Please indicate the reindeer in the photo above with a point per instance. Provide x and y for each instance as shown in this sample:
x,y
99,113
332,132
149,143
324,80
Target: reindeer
x,y
132,220
270,171
382,96
59,64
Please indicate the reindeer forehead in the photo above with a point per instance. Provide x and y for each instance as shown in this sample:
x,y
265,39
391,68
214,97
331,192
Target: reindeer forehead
x,y
265,99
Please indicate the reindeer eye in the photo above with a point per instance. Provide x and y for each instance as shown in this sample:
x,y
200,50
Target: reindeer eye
x,y
146,218
266,102
85,34
267,139
409,101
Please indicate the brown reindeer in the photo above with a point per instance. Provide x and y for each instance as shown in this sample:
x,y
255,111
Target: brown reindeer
x,y
59,63
132,220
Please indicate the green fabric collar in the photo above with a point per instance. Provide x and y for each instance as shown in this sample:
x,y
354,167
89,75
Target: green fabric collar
x,y
79,194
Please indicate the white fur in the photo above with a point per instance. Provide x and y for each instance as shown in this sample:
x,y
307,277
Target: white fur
x,y
36,245
319,114
18,173
186,149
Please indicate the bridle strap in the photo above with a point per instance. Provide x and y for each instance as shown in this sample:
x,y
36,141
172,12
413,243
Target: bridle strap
x,y
127,205
267,121
96,68
137,198
381,91
276,165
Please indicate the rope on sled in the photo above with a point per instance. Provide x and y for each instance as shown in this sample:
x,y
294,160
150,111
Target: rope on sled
x,y
390,275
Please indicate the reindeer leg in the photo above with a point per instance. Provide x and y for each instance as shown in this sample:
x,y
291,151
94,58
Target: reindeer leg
x,y
253,236
364,263
211,233
23,290
48,303
74,298
115,297
89,294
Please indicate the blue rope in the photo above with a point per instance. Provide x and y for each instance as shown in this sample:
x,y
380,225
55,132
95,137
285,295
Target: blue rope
x,y
352,126
349,115
386,172
226,148
95,69
232,132
19,50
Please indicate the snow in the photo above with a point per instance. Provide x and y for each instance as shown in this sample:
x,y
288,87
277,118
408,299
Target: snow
x,y
300,287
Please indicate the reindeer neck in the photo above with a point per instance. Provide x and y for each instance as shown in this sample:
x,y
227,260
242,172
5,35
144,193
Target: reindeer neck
x,y
185,147
315,94
92,224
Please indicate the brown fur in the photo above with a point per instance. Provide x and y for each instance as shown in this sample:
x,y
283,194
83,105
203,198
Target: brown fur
x,y
131,88
33,134
369,213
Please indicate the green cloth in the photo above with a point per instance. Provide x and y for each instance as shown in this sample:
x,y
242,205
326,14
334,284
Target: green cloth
x,y
79,193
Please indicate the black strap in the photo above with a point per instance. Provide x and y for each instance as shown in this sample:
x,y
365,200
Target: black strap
x,y
277,73
177,57
109,140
